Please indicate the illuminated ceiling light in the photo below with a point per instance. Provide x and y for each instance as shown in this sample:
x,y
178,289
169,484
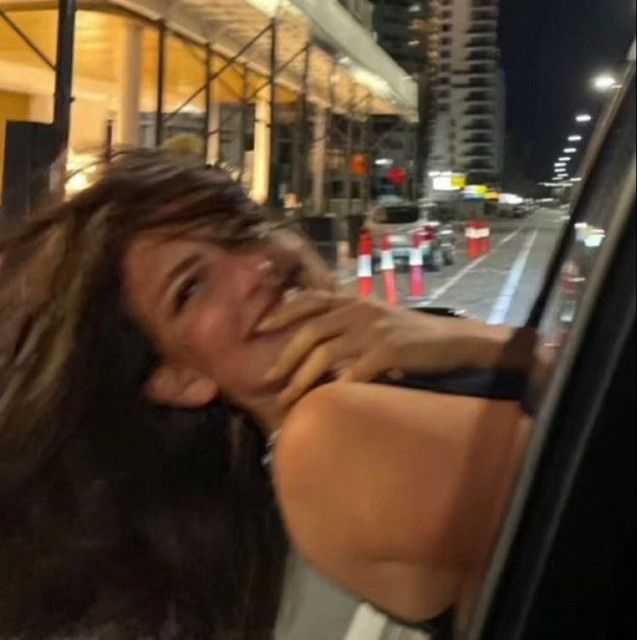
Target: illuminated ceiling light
x,y
583,117
575,138
570,150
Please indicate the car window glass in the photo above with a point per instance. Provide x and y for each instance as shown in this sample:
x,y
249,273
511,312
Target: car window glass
x,y
586,238
402,215
601,205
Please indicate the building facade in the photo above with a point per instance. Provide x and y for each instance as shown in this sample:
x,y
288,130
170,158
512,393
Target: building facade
x,y
254,85
469,124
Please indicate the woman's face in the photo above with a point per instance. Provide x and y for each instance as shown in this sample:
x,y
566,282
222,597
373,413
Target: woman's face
x,y
201,304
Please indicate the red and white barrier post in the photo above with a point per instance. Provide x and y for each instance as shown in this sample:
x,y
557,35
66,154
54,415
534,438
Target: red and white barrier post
x,y
416,263
365,272
388,269
487,242
472,234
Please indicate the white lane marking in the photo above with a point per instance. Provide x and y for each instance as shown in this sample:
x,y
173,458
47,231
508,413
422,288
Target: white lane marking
x,y
367,624
469,268
503,303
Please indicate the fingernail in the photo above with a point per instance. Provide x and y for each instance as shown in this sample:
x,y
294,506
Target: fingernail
x,y
271,375
264,326
291,294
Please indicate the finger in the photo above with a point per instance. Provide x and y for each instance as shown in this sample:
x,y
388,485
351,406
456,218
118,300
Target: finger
x,y
370,366
303,305
319,364
306,340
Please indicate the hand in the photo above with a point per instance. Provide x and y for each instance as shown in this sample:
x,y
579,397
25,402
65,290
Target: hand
x,y
355,340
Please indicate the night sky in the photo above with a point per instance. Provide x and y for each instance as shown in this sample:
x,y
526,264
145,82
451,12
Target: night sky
x,y
550,51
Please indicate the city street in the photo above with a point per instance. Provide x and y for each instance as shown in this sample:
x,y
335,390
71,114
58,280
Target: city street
x,y
500,287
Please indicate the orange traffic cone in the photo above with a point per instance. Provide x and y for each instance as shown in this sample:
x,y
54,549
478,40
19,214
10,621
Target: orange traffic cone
x,y
417,288
365,271
389,272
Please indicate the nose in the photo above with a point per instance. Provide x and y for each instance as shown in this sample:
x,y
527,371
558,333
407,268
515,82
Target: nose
x,y
255,271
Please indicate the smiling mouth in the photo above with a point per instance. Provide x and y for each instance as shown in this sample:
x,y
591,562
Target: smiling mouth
x,y
289,287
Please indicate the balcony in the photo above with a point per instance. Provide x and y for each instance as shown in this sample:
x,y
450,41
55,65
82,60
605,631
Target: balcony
x,y
479,97
484,12
482,111
478,138
477,82
484,152
479,126
479,165
482,42
482,68
482,55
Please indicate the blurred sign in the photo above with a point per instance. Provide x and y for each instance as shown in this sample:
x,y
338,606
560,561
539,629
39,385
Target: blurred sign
x,y
449,182
397,176
359,165
493,196
476,192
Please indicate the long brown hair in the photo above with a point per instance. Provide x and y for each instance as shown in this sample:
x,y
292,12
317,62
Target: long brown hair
x,y
117,515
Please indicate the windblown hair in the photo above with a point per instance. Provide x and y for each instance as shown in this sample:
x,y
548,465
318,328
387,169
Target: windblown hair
x,y
118,518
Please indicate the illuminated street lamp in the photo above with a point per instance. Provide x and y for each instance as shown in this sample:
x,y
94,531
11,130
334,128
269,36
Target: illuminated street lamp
x,y
583,118
605,82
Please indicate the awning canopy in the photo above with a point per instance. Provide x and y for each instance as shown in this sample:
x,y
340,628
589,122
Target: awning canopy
x,y
345,60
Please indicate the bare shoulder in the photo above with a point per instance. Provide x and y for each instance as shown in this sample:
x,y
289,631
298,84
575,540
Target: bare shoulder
x,y
380,486
392,467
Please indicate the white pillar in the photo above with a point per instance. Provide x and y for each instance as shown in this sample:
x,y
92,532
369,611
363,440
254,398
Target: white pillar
x,y
318,161
262,148
214,140
130,77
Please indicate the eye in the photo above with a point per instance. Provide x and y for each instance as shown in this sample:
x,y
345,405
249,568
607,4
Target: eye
x,y
187,290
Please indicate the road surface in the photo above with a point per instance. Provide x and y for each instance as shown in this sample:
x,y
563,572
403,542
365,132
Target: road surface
x,y
499,288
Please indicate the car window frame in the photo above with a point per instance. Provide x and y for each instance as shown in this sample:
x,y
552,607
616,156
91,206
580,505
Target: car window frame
x,y
544,420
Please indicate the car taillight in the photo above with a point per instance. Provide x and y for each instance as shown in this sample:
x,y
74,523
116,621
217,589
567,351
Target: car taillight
x,y
427,235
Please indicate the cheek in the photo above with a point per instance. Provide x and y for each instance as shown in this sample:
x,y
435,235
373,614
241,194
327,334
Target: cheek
x,y
210,337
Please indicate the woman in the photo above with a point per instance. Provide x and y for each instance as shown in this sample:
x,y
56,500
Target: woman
x,y
158,338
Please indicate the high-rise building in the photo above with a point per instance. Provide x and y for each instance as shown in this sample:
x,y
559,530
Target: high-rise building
x,y
408,30
469,123
400,26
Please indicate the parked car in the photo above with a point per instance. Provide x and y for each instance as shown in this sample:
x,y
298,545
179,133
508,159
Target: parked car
x,y
400,222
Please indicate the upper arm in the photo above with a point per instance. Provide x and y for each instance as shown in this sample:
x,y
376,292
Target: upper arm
x,y
389,475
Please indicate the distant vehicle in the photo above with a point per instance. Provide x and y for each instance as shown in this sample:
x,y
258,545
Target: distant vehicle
x,y
513,211
400,222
